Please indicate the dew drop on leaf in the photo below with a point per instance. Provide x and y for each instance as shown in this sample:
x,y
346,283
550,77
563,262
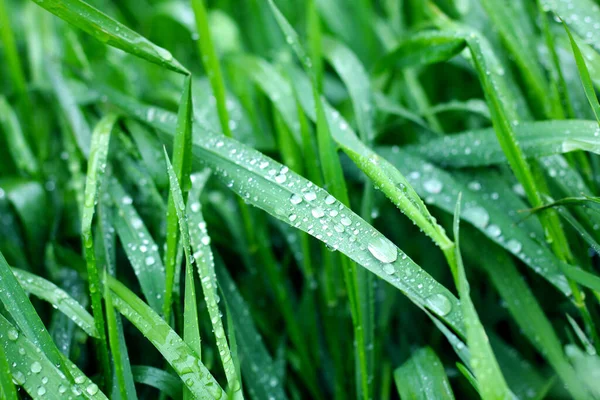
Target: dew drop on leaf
x,y
382,249
439,303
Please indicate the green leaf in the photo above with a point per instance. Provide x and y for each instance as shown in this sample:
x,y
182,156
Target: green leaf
x,y
110,31
38,375
59,299
159,379
573,12
18,146
422,376
176,352
492,385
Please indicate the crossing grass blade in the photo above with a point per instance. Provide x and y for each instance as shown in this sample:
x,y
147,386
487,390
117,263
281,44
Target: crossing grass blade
x,y
7,386
40,376
96,166
483,362
59,299
109,31
571,11
182,143
162,380
537,139
211,64
204,260
584,74
176,352
422,376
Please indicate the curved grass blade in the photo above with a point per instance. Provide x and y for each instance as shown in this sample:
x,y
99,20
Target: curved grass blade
x,y
110,31
386,105
59,299
483,211
537,139
423,377
200,243
18,146
96,166
572,13
17,303
584,74
473,106
38,375
159,379
178,354
182,143
257,365
211,63
139,246
272,191
492,385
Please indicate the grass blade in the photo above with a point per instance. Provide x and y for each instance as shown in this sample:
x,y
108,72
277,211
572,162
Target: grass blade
x,y
59,299
110,31
423,377
21,153
161,380
491,382
178,354
7,386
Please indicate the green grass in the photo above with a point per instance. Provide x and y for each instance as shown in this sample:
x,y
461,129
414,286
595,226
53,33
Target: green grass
x,y
299,199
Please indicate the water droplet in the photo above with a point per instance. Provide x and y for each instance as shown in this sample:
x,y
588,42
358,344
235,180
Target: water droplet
x,y
494,230
433,186
205,240
295,199
292,217
280,178
36,367
514,246
329,199
389,269
317,212
13,334
382,249
310,196
439,303
92,389
346,221
62,389
150,260
41,391
478,216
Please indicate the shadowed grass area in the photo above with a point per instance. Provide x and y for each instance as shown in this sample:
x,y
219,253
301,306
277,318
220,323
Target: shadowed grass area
x,y
299,199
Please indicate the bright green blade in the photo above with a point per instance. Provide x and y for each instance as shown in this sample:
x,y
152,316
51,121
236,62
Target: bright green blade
x,y
178,354
492,385
59,299
423,377
110,31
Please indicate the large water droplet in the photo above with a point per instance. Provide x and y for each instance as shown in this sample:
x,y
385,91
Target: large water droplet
x,y
310,196
92,389
478,216
439,303
433,186
389,269
494,230
382,249
295,199
13,334
317,212
36,367
514,246
329,199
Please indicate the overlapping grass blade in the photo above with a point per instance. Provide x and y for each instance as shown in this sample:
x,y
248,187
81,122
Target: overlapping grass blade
x,y
203,257
178,354
162,380
139,246
256,362
573,12
182,143
109,31
96,166
19,148
483,362
40,376
537,139
584,74
211,63
59,299
422,376
7,386
234,163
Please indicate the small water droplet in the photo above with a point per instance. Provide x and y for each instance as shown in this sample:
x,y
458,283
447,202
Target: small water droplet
x,y
317,212
433,186
478,216
514,246
310,196
389,269
494,230
205,240
329,199
382,249
92,389
295,199
13,334
36,367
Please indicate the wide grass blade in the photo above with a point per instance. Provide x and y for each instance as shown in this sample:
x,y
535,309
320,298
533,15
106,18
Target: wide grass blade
x,y
59,299
7,386
178,354
109,31
580,15
492,385
164,381
423,377
284,194
38,375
